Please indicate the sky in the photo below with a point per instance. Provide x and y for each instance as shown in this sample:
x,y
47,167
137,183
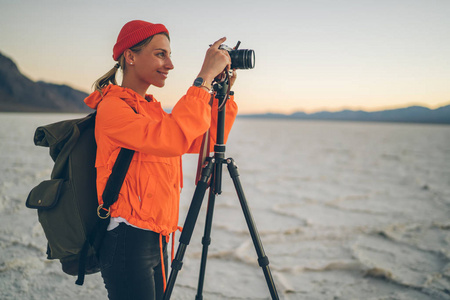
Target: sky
x,y
310,55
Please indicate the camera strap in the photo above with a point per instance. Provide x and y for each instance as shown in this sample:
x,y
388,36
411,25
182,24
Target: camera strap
x,y
227,79
204,150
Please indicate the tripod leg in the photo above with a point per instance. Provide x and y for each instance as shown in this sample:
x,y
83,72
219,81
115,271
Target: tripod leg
x,y
215,189
263,260
206,241
189,225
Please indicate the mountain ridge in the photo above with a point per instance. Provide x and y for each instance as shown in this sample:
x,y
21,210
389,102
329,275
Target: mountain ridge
x,y
20,94
411,114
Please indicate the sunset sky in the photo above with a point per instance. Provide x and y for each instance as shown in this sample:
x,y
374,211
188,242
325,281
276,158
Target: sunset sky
x,y
310,55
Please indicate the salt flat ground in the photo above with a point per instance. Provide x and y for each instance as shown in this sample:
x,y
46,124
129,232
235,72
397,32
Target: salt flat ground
x,y
344,211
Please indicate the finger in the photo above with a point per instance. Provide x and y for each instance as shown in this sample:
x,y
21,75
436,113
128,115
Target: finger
x,y
218,43
227,54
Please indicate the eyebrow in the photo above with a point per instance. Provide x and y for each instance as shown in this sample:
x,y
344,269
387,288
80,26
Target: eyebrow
x,y
161,49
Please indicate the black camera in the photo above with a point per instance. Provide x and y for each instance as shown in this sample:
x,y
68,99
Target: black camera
x,y
240,59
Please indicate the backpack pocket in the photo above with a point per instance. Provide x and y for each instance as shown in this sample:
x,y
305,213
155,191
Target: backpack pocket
x,y
45,195
59,216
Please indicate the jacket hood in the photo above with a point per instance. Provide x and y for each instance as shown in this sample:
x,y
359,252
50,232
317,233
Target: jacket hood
x,y
112,90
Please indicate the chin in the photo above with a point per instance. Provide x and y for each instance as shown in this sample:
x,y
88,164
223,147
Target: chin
x,y
159,84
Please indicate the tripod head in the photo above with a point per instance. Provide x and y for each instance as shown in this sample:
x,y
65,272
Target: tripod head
x,y
222,87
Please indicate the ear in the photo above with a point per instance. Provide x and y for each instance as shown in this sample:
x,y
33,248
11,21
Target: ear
x,y
129,57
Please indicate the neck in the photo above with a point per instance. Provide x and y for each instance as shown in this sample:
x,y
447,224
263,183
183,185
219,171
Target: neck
x,y
135,85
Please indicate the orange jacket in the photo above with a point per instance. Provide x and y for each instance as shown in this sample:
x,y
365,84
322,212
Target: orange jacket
x,y
150,195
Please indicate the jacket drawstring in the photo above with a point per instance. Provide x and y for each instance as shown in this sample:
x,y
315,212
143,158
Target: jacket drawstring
x,y
179,228
163,267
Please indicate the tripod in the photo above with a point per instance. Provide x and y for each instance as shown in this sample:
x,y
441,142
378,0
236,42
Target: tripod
x,y
212,169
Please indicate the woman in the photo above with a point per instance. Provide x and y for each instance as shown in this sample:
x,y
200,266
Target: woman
x,y
134,254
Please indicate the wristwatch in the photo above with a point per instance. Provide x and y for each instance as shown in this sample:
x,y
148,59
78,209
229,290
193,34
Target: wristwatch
x,y
200,82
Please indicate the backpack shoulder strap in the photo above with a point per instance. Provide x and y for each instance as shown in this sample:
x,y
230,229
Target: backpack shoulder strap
x,y
115,180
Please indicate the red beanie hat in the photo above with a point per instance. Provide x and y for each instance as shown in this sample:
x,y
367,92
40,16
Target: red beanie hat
x,y
134,32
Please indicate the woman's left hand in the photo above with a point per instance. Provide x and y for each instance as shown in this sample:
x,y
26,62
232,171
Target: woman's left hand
x,y
233,78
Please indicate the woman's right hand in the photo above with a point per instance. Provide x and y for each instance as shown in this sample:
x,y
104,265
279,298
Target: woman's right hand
x,y
216,61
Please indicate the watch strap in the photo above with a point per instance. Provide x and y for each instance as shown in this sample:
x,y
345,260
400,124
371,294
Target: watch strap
x,y
200,82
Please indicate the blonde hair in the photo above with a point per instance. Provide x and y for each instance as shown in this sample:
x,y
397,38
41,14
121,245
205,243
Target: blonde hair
x,y
110,76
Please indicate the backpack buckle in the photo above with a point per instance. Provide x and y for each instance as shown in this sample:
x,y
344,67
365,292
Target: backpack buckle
x,y
100,209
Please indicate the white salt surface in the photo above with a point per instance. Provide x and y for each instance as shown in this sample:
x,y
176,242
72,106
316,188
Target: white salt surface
x,y
344,211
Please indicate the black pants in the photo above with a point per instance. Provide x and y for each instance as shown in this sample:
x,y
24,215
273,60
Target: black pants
x,y
130,261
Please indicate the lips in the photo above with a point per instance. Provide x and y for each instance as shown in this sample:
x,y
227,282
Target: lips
x,y
164,74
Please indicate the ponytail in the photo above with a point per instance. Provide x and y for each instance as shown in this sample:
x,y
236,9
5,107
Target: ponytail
x,y
109,77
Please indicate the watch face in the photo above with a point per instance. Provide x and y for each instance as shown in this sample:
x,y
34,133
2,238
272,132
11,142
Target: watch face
x,y
198,81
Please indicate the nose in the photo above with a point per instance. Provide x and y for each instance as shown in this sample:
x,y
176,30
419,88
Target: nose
x,y
169,65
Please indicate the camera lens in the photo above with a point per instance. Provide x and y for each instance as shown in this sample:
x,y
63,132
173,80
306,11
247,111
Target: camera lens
x,y
242,59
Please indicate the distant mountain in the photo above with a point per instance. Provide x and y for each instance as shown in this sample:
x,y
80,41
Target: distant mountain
x,y
20,94
412,114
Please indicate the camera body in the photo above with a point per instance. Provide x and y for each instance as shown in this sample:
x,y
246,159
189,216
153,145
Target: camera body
x,y
240,59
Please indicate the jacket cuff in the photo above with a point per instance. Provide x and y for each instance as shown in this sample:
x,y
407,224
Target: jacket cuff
x,y
199,93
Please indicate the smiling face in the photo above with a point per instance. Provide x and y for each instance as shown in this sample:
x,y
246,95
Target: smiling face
x,y
150,65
